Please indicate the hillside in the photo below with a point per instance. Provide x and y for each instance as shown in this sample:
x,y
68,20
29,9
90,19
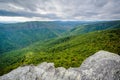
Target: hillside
x,y
19,35
95,26
67,52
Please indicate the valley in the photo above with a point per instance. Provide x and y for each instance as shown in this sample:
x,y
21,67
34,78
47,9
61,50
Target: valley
x,y
55,42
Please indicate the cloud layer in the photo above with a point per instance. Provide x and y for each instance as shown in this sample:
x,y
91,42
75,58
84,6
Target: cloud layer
x,y
60,9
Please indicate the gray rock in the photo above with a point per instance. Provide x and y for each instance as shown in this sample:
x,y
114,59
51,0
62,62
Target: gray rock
x,y
101,66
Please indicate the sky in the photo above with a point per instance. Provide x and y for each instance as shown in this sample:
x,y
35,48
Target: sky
x,y
50,10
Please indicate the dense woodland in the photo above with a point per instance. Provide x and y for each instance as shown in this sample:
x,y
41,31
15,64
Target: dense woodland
x,y
68,49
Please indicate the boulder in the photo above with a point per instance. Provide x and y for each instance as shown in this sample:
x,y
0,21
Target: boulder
x,y
102,65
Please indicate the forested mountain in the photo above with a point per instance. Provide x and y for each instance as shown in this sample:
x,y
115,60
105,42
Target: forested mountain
x,y
66,52
18,35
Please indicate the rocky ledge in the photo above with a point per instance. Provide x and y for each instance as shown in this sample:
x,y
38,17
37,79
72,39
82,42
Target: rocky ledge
x,y
102,65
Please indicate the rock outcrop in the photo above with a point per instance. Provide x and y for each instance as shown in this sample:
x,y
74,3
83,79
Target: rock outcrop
x,y
101,66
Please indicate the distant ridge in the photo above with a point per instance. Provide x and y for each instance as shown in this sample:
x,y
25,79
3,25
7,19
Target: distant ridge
x,y
95,26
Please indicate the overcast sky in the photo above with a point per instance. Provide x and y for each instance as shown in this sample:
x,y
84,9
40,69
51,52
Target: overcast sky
x,y
33,10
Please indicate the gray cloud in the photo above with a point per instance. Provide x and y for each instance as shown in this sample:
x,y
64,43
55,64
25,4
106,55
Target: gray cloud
x,y
8,13
62,9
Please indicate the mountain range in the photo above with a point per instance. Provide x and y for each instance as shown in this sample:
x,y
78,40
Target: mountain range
x,y
19,35
66,44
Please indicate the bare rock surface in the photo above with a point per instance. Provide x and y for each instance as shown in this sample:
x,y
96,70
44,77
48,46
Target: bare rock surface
x,y
102,65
